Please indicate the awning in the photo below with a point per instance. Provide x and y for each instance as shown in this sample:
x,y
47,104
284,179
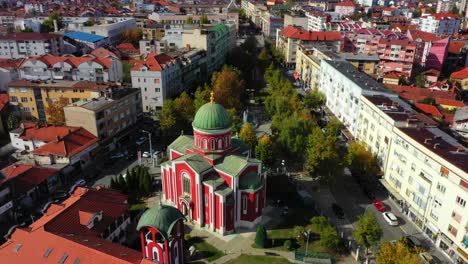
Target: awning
x,y
462,253
391,189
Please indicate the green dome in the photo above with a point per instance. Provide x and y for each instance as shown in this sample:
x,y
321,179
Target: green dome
x,y
212,116
162,217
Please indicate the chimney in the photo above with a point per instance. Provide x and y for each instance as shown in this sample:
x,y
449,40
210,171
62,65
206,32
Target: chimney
x,y
427,140
460,149
436,145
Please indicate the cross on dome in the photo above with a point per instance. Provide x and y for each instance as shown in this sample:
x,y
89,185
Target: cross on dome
x,y
212,97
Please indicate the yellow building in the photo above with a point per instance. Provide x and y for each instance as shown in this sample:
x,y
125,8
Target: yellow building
x,y
153,31
33,97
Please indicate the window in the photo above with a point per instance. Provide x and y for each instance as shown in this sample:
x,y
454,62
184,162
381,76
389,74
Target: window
x,y
75,90
220,143
26,109
186,183
452,230
205,143
460,201
156,81
157,90
81,91
12,90
13,99
440,188
23,90
456,217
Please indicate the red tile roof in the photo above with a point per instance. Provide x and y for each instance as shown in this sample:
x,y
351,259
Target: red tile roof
x,y
455,47
72,60
461,74
126,46
31,131
429,109
4,100
450,102
154,62
392,75
441,16
413,93
300,33
102,52
347,3
424,36
68,145
60,232
26,177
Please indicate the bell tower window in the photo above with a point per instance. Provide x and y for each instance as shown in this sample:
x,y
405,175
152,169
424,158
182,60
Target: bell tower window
x,y
220,144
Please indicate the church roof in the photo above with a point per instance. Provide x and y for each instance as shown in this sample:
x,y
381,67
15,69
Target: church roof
x,y
234,164
223,190
182,143
162,217
212,116
198,163
213,179
250,181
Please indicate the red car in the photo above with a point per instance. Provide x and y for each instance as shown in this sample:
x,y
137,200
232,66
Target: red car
x,y
379,205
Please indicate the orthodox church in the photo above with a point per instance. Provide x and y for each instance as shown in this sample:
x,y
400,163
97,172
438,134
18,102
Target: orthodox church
x,y
210,177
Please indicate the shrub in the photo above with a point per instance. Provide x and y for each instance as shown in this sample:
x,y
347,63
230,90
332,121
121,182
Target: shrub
x,y
319,223
261,236
287,245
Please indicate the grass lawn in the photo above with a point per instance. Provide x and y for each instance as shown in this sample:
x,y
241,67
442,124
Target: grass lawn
x,y
208,251
258,260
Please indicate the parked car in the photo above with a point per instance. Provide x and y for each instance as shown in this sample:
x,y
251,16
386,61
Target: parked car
x,y
427,258
390,218
80,182
379,205
412,242
338,211
117,155
146,154
141,140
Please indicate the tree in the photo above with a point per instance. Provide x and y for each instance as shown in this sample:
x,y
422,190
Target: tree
x,y
185,107
236,121
132,36
27,29
48,24
323,161
314,100
319,223
204,19
420,80
202,96
261,236
298,233
126,69
189,20
454,10
12,121
361,161
397,253
228,87
54,111
168,116
264,150
263,58
334,127
428,100
247,134
368,232
417,12
329,237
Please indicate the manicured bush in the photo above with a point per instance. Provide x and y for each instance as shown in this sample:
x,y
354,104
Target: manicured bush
x,y
261,237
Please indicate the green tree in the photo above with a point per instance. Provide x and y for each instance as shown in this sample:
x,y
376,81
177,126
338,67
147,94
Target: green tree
x,y
420,80
329,238
204,19
298,233
263,58
334,127
368,232
247,134
228,87
189,20
314,100
168,116
12,121
323,160
319,223
454,10
397,253
185,107
250,45
48,24
417,12
261,236
126,69
202,96
428,100
27,29
264,150
236,121
361,161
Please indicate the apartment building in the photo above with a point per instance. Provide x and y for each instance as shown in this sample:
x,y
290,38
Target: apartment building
x,y
343,86
446,24
270,23
107,27
431,49
346,8
444,6
317,20
106,117
170,18
86,68
8,71
158,77
32,97
365,40
288,38
253,10
193,65
295,18
23,45
396,55
153,31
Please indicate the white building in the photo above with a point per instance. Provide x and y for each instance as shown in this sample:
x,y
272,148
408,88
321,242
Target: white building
x,y
159,77
343,86
316,21
69,67
33,7
8,72
31,23
23,45
444,6
109,27
442,24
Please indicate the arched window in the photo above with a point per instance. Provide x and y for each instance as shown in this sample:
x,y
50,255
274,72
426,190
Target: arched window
x,y
212,144
205,143
186,183
220,143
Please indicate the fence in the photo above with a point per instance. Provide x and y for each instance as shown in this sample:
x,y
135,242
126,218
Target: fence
x,y
313,257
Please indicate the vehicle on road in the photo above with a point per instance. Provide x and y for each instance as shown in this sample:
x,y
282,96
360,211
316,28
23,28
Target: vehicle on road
x,y
412,242
338,211
390,218
379,205
141,140
146,154
427,258
117,155
80,182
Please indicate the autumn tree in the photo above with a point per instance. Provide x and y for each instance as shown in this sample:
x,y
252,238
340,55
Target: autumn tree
x,y
368,232
334,127
361,161
247,134
236,121
263,58
314,100
168,116
264,150
228,87
202,96
397,253
48,24
204,19
185,107
54,111
132,36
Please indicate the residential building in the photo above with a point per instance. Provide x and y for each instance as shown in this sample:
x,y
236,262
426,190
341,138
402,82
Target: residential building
x,y
8,72
427,176
90,226
49,145
396,55
158,77
270,23
153,31
33,97
460,122
253,10
317,20
289,37
446,24
173,19
365,40
85,68
297,18
431,49
172,39
193,66
221,189
444,6
368,64
23,185
23,45
461,77
108,27
107,117
343,86
346,8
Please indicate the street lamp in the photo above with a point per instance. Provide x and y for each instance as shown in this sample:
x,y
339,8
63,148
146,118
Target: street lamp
x,y
307,245
151,146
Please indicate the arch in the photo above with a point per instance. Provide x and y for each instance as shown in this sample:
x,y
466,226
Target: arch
x,y
220,143
212,145
205,143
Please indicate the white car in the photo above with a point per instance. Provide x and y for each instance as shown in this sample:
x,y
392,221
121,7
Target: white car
x,y
390,218
117,155
146,154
